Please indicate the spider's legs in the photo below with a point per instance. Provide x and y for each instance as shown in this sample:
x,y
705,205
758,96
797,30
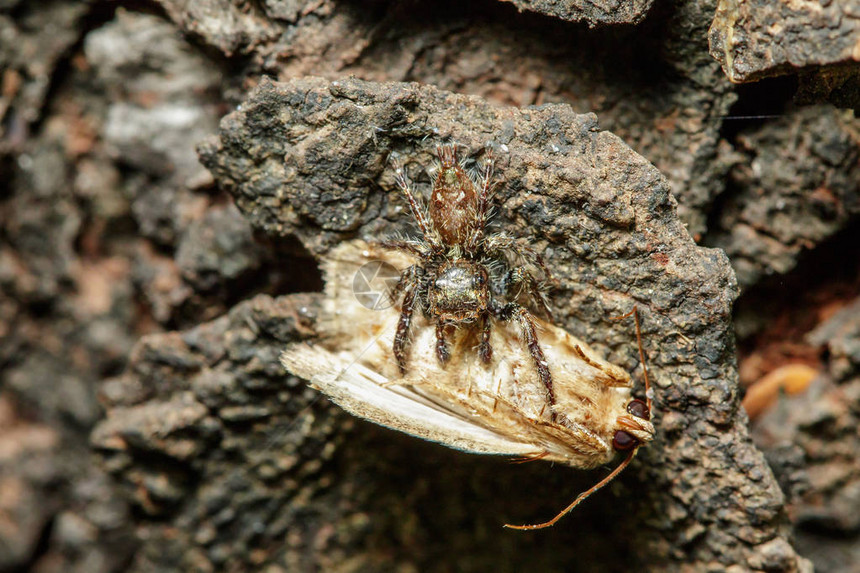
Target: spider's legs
x,y
411,277
411,246
498,244
442,352
477,234
409,283
484,349
514,311
416,207
520,278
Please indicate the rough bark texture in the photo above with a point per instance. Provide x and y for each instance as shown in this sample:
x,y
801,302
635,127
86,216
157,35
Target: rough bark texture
x,y
308,159
812,442
29,51
124,269
754,39
653,85
793,194
594,13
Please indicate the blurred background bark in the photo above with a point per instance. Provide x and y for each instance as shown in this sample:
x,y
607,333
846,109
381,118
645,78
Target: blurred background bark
x,y
136,300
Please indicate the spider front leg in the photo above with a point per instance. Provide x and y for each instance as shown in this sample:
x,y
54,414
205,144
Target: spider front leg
x,y
485,351
497,245
521,278
409,246
442,352
479,229
409,283
410,277
526,322
415,206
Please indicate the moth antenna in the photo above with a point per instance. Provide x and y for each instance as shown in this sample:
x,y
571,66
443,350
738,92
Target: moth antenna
x,y
580,498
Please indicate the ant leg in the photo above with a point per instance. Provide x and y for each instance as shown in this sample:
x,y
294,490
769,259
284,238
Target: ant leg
x,y
520,277
526,323
401,338
485,351
442,352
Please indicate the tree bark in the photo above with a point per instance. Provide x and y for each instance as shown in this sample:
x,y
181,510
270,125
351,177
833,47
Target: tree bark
x,y
146,291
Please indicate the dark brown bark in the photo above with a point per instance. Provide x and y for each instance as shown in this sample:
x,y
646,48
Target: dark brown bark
x,y
821,40
145,422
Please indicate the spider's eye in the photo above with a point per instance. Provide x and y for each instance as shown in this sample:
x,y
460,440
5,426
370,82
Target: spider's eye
x,y
639,409
624,441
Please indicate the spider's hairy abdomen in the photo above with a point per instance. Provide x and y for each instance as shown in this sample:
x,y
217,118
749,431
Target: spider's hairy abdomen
x,y
453,204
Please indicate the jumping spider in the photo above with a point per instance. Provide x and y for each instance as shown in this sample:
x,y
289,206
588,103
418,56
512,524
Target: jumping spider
x,y
463,270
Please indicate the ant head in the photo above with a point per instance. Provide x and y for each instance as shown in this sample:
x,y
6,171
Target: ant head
x,y
635,429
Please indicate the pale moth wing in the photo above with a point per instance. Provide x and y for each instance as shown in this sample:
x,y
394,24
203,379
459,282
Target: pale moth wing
x,y
370,395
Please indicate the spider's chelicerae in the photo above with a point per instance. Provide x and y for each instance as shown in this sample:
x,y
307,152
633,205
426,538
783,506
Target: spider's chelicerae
x,y
465,275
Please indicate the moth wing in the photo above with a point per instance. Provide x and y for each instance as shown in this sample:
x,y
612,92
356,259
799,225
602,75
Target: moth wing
x,y
374,397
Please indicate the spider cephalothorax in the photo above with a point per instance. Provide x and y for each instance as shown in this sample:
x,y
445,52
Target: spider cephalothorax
x,y
464,275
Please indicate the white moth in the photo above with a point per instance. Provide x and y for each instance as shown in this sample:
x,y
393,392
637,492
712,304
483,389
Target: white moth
x,y
500,407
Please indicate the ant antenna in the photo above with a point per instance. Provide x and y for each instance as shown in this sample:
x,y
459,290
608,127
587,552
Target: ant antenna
x,y
635,314
580,498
